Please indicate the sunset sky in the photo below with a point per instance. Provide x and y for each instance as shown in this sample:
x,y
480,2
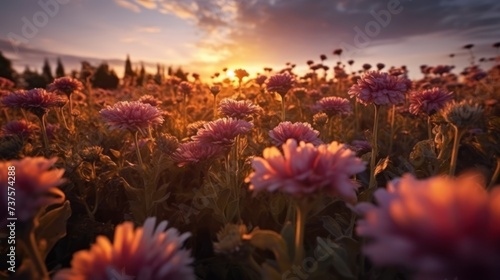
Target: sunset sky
x,y
206,35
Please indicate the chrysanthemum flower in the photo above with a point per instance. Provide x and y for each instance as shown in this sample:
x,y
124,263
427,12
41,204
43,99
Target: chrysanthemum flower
x,y
303,170
195,152
133,116
193,128
6,83
222,131
230,239
333,106
462,114
299,131
300,92
35,186
151,100
167,143
21,128
185,88
261,79
37,101
241,109
65,85
441,227
280,83
320,119
240,74
380,89
429,101
149,252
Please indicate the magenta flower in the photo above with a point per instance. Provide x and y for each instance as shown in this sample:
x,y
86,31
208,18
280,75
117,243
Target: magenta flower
x,y
299,131
441,227
37,101
195,152
149,252
333,106
304,170
22,129
238,109
151,100
35,186
133,116
65,85
185,88
261,79
222,131
6,83
380,89
429,101
280,83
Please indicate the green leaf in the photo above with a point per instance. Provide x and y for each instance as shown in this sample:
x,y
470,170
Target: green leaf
x,y
270,273
270,240
52,226
331,226
288,234
381,165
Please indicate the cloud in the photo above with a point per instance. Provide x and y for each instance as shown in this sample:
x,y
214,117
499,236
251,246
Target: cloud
x,y
149,4
149,29
128,5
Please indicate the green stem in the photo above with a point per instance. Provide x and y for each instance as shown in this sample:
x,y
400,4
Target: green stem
x,y
138,151
282,108
44,133
215,106
302,211
34,254
494,178
454,152
373,162
393,117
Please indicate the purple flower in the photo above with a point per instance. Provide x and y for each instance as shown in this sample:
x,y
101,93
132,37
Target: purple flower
x,y
280,83
429,101
380,89
222,132
133,116
299,131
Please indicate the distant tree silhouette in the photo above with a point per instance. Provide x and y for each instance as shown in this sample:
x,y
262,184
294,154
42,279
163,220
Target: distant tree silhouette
x,y
86,71
170,71
158,77
142,76
128,68
6,70
181,74
105,78
33,79
47,71
60,69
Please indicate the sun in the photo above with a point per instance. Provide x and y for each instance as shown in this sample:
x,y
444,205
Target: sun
x,y
230,74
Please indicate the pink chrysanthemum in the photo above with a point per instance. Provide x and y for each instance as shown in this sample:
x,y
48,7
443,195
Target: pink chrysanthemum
x,y
35,186
65,85
185,88
21,128
222,131
195,152
133,116
6,83
241,109
149,252
37,101
151,100
441,227
380,88
304,170
429,101
333,106
299,131
261,79
280,83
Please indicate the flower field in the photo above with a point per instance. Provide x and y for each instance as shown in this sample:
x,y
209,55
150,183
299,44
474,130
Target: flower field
x,y
341,174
